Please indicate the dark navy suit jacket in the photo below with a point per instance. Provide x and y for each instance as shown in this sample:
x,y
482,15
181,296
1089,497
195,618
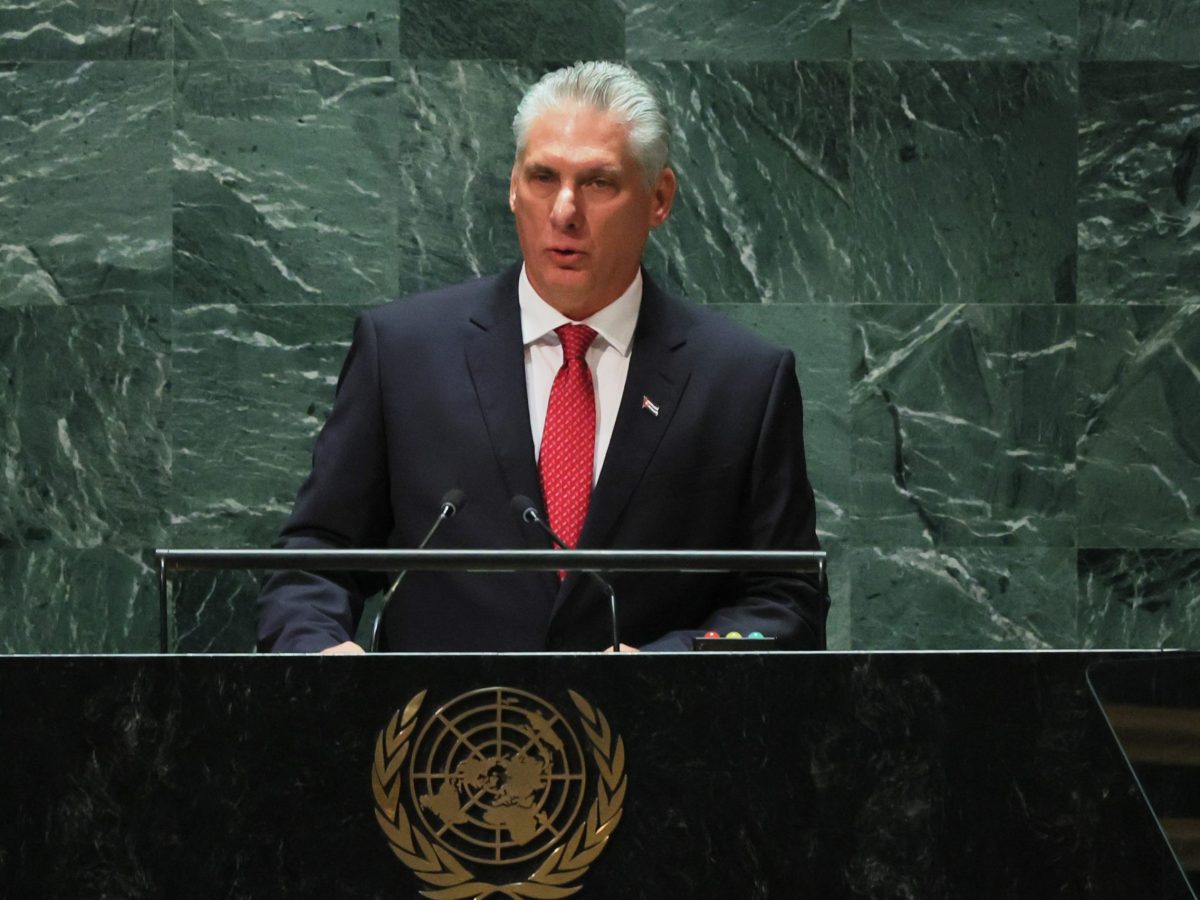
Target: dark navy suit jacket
x,y
432,396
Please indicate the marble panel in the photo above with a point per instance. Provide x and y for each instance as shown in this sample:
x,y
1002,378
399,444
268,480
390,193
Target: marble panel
x,y
1139,183
762,152
819,335
963,29
963,426
516,29
1139,29
284,183
1139,598
964,182
456,154
83,458
1139,445
262,29
964,598
64,600
213,612
251,387
746,30
73,138
115,29
838,625
216,612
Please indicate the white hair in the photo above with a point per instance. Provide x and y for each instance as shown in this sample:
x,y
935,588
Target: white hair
x,y
608,87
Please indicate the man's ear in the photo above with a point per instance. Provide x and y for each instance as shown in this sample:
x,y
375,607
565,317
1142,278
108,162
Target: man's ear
x,y
663,197
512,190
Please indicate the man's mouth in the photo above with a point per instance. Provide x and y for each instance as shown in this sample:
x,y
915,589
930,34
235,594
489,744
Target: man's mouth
x,y
565,254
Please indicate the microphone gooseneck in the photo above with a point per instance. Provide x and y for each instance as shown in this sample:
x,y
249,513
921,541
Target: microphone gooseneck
x,y
528,512
452,503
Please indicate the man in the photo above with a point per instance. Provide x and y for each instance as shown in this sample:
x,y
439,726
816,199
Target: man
x,y
633,419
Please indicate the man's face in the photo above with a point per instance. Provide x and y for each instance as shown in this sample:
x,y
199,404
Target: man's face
x,y
583,212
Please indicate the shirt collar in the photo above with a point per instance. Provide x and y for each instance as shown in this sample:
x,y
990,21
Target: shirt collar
x,y
615,323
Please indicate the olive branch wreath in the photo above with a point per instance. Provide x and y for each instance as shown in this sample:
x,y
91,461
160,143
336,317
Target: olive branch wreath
x,y
438,867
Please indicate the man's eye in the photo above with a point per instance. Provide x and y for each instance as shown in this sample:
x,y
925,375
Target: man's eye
x,y
542,176
602,183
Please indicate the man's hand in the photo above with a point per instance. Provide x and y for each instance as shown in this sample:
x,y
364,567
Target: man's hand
x,y
624,648
348,648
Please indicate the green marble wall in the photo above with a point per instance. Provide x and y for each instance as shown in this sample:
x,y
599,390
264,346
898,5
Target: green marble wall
x,y
977,223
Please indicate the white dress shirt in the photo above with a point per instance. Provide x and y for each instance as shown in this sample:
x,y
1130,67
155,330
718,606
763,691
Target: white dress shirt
x,y
607,357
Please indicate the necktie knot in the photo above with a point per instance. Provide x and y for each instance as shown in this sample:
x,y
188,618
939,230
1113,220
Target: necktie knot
x,y
575,340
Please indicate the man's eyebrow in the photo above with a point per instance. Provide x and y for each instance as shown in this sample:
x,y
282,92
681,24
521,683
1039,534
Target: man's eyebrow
x,y
601,169
605,170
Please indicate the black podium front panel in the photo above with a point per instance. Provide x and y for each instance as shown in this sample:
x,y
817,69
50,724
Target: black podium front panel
x,y
671,776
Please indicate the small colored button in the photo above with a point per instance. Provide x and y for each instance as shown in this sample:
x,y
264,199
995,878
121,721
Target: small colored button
x,y
755,635
712,634
733,634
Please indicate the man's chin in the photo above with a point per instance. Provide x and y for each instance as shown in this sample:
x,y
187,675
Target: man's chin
x,y
567,281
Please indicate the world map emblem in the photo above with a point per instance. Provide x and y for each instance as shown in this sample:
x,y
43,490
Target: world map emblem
x,y
486,795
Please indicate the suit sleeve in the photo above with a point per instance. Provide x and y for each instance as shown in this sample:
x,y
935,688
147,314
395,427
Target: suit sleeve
x,y
778,513
344,503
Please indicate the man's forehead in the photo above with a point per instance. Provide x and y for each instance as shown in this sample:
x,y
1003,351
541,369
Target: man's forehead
x,y
573,131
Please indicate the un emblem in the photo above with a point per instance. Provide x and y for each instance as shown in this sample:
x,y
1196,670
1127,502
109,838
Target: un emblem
x,y
495,779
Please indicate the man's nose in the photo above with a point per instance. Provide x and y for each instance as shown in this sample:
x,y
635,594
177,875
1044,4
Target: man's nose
x,y
565,213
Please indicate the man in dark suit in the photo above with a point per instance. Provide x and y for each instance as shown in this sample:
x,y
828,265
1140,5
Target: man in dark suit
x,y
638,421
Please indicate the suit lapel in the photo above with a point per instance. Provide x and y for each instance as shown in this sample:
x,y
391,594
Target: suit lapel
x,y
497,368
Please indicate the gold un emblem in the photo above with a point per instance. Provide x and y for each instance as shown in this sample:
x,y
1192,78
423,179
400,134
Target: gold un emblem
x,y
496,779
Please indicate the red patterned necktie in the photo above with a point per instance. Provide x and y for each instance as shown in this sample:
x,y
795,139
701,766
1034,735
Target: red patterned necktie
x,y
569,438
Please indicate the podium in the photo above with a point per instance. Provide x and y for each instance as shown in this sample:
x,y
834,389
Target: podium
x,y
773,775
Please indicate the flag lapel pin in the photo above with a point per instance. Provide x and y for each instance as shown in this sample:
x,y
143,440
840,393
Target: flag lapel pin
x,y
649,404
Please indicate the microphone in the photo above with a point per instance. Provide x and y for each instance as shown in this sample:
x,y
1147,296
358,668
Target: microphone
x,y
452,501
528,511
